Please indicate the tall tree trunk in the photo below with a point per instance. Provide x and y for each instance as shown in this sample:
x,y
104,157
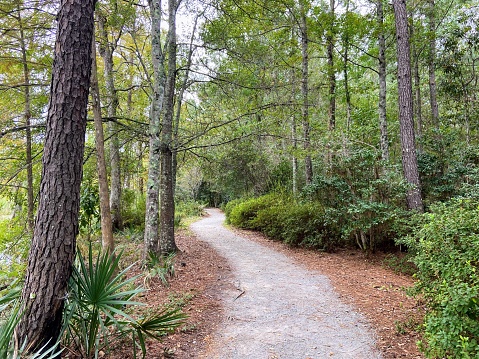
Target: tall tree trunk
x,y
108,243
106,52
167,199
417,92
54,240
432,65
294,124
418,102
383,127
405,102
28,131
331,70
346,84
294,142
153,185
308,165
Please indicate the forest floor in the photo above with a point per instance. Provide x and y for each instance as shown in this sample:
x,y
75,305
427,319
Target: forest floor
x,y
361,280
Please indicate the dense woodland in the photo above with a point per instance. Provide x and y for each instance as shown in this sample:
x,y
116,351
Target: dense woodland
x,y
322,124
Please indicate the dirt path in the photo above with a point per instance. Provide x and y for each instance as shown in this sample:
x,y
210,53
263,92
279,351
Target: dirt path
x,y
277,309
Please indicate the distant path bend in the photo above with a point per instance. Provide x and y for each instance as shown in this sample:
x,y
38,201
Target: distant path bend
x,y
279,310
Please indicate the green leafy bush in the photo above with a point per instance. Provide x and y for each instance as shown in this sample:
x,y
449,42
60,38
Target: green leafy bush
x,y
228,207
299,224
363,198
283,218
187,209
446,253
244,213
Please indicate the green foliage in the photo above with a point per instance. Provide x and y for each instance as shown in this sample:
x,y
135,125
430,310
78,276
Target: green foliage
x,y
187,209
133,209
5,208
283,218
14,245
244,213
361,203
99,295
446,249
162,267
228,207
237,171
190,208
156,325
451,174
298,224
400,263
7,326
362,198
10,315
89,208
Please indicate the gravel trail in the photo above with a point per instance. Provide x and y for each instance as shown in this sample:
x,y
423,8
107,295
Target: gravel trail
x,y
278,309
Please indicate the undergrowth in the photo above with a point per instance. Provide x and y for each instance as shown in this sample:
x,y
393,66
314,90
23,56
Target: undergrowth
x,y
446,253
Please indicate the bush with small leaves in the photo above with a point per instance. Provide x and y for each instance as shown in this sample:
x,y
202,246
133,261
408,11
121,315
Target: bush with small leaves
x,y
446,253
283,218
244,213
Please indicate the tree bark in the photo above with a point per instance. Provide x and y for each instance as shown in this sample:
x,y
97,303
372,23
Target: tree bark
x,y
167,199
383,127
112,98
418,102
294,143
432,65
53,246
308,165
159,78
346,75
405,102
331,70
108,243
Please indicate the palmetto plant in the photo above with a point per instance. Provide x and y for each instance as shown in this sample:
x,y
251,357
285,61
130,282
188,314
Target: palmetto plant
x,y
98,303
161,267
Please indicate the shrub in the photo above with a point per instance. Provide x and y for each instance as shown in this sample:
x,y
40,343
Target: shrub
x,y
189,209
305,225
100,308
283,218
228,207
362,198
243,214
446,249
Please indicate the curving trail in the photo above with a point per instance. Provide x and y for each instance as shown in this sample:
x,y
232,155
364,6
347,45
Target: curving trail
x,y
278,309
